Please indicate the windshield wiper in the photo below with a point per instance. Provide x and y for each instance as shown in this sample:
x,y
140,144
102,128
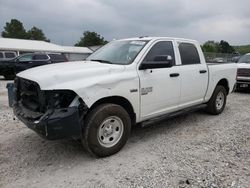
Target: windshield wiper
x,y
102,61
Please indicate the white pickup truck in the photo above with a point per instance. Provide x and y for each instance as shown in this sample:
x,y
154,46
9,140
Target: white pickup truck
x,y
125,82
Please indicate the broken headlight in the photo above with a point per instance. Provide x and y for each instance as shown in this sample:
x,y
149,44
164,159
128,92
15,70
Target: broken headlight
x,y
59,98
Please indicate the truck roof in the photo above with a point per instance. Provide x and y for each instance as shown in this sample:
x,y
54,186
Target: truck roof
x,y
159,38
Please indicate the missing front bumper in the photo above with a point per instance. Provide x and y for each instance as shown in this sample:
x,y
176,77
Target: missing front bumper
x,y
56,124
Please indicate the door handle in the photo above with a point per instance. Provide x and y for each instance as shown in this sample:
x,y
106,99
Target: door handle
x,y
174,75
203,71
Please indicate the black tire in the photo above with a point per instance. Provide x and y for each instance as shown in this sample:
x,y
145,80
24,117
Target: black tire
x,y
212,107
91,139
9,77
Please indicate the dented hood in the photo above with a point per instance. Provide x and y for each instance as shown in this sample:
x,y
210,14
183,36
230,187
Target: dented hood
x,y
70,75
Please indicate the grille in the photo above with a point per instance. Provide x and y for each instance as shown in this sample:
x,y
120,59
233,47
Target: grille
x,y
28,94
243,72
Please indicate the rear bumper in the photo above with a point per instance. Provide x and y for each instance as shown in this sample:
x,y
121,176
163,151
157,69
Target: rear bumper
x,y
242,83
56,124
243,80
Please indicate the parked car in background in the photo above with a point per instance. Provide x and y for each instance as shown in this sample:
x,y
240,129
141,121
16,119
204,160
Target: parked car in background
x,y
236,59
236,56
7,55
243,73
11,67
219,60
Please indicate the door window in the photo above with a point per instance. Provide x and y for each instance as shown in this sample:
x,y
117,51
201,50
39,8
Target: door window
x,y
25,58
163,48
10,55
57,57
40,57
189,54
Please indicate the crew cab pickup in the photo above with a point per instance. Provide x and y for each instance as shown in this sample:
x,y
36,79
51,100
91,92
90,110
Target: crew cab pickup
x,y
125,82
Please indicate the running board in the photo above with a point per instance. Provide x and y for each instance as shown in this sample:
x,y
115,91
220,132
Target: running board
x,y
173,114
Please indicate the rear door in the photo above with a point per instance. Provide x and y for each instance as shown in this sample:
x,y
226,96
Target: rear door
x,y
194,75
159,87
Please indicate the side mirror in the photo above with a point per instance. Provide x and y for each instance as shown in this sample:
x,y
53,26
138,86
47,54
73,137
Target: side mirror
x,y
163,58
161,61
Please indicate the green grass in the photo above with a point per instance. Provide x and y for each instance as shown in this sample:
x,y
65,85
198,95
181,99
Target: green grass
x,y
242,49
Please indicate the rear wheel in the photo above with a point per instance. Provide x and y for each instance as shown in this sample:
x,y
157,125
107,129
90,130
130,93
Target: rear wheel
x,y
218,100
106,130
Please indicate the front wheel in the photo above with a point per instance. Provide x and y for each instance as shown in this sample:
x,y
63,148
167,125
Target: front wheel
x,y
106,130
218,100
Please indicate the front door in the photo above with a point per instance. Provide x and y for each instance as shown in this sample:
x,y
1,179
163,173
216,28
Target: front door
x,y
159,87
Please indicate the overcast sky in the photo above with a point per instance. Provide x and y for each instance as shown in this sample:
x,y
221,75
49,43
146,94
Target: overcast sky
x,y
63,21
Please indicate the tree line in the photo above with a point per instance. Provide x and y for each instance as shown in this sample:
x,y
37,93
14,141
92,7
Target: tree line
x,y
15,29
218,47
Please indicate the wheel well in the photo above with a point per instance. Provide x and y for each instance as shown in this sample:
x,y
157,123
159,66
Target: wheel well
x,y
119,101
224,83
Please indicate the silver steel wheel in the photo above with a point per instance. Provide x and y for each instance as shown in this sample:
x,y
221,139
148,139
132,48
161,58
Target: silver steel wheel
x,y
220,99
110,131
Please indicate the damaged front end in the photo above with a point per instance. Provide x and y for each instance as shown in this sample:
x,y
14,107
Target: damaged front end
x,y
52,114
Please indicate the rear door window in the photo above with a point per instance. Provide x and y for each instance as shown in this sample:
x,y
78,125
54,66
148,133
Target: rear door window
x,y
189,54
57,57
1,55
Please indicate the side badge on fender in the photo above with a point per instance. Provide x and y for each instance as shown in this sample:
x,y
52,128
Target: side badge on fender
x,y
146,90
133,90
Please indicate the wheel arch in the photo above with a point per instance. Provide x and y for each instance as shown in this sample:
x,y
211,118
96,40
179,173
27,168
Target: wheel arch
x,y
224,82
122,101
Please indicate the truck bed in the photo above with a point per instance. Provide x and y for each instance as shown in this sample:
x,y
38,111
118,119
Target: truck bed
x,y
218,72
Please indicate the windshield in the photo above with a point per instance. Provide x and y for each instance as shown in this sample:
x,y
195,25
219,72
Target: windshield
x,y
244,59
118,52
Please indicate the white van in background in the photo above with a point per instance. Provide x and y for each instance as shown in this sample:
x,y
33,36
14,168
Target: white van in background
x,y
6,55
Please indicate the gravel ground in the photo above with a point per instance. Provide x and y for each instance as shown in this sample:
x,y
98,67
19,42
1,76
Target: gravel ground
x,y
193,150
